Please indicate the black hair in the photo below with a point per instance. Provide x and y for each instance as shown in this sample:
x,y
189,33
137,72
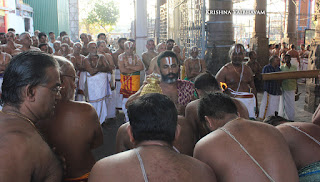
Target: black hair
x,y
207,82
11,30
121,39
166,54
153,117
43,44
216,105
63,33
251,53
41,34
26,68
101,34
275,120
170,40
51,33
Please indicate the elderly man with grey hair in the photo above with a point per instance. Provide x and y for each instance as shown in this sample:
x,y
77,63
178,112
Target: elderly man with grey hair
x,y
239,79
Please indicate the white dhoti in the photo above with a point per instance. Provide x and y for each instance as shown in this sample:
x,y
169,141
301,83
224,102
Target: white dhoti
x,y
81,85
269,105
98,92
287,105
118,96
294,61
111,101
248,99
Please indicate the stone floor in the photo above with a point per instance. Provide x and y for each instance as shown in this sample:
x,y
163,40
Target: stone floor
x,y
110,129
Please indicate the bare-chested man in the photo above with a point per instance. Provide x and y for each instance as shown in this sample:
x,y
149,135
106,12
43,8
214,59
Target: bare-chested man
x,y
52,37
44,47
11,45
193,65
149,55
98,86
153,128
239,79
73,143
4,61
65,51
276,50
79,58
43,39
111,101
66,39
115,56
130,66
295,56
30,90
26,42
181,92
85,42
3,38
241,150
57,48
283,50
256,69
303,139
170,44
204,84
102,36
80,70
153,67
102,49
35,41
119,51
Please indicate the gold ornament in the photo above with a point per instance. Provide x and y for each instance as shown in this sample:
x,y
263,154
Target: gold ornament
x,y
152,86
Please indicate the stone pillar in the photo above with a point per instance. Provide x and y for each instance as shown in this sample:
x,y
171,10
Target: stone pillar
x,y
157,23
220,34
74,20
291,35
141,26
259,40
312,98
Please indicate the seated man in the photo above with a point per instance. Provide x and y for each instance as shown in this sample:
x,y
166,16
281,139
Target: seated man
x,y
74,130
153,128
193,65
303,140
243,150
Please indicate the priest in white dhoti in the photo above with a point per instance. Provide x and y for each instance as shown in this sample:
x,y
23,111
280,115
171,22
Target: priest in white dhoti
x,y
97,82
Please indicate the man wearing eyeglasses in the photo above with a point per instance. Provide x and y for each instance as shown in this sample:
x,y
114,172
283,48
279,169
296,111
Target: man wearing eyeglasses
x,y
239,79
30,89
74,130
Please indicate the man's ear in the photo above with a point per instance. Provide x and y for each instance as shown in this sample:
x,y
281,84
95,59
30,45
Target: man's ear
x,y
29,92
129,131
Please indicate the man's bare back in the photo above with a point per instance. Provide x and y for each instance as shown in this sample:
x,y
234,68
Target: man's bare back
x,y
231,163
125,166
304,150
79,132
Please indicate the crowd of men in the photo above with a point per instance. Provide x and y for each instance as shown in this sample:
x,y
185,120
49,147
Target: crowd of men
x,y
56,94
